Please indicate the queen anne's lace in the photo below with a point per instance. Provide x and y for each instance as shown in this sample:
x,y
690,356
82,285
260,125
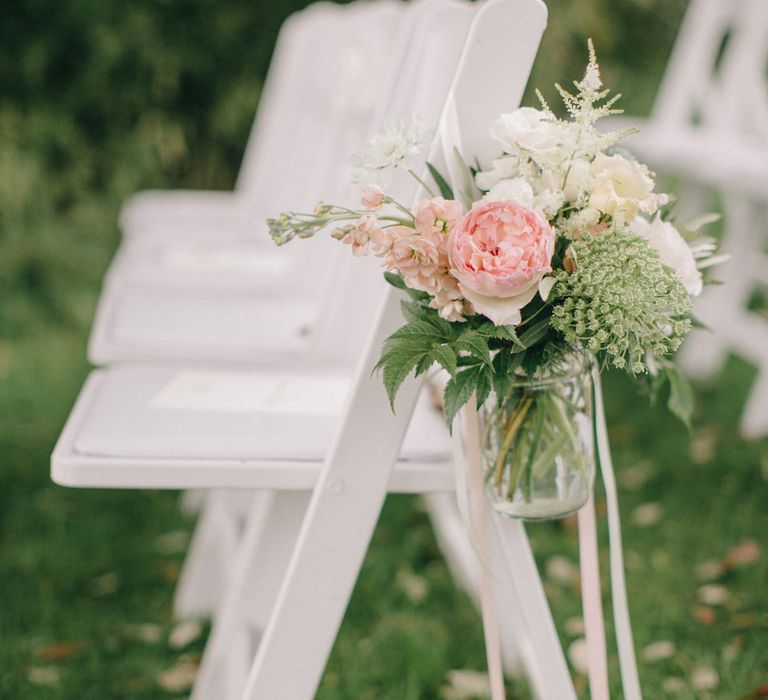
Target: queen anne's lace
x,y
620,301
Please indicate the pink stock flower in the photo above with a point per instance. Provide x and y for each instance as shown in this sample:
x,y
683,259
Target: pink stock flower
x,y
360,235
417,259
436,218
382,239
499,253
373,197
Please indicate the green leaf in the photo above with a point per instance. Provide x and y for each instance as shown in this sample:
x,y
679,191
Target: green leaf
x,y
475,344
442,185
458,391
396,365
535,333
418,332
395,279
489,330
504,365
680,401
446,358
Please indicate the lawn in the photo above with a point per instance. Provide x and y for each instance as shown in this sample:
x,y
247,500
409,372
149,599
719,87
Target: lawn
x,y
101,99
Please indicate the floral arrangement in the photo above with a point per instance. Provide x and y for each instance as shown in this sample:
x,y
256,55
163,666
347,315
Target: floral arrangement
x,y
562,250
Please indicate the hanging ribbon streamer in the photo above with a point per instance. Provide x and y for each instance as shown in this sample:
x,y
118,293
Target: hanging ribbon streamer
x,y
597,660
627,662
479,535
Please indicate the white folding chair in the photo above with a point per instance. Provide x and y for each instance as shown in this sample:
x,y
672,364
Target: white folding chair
x,y
709,124
156,409
206,291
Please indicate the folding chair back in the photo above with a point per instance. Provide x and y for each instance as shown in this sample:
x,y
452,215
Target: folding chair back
x,y
492,74
716,74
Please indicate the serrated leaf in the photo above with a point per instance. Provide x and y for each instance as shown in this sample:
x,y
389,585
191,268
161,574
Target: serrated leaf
x,y
395,367
418,329
680,401
489,330
484,384
458,391
440,181
446,358
475,344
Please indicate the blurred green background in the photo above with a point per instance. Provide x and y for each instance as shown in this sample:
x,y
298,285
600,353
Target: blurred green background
x,y
101,98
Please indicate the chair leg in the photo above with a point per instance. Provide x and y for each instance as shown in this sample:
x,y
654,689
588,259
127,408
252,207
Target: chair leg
x,y
209,559
256,572
519,586
464,564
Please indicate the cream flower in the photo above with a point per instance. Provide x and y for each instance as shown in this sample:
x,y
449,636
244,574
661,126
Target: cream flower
x,y
528,129
673,251
622,187
501,168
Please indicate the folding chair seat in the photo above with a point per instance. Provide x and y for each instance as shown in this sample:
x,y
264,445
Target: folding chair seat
x,y
709,125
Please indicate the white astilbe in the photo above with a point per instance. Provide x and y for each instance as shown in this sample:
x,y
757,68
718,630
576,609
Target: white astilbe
x,y
391,148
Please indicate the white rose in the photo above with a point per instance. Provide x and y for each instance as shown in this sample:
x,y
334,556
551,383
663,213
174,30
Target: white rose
x,y
621,187
515,189
501,168
527,128
673,251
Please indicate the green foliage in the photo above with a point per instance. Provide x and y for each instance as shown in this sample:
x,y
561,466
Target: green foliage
x,y
477,355
681,401
445,189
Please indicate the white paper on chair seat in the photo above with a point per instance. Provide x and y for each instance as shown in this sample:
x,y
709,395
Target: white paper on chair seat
x,y
244,392
161,413
214,325
200,265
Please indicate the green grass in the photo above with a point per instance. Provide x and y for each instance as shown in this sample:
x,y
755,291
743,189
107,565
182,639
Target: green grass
x,y
101,99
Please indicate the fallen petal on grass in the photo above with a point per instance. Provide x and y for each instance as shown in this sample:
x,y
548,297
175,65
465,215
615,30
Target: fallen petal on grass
x,y
709,570
713,594
143,632
562,570
106,584
172,542
658,651
44,675
704,678
703,444
577,655
647,514
184,634
179,677
637,475
743,554
61,651
414,586
706,616
574,627
464,684
673,685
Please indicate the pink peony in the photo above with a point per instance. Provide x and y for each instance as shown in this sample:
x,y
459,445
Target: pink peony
x,y
499,253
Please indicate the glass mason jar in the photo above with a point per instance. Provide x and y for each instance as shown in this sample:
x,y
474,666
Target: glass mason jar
x,y
538,445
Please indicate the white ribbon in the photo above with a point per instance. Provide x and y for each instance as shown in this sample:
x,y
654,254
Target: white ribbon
x,y
622,624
